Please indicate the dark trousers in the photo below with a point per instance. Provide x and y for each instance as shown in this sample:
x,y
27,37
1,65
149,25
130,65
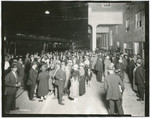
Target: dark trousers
x,y
99,76
60,92
140,88
55,91
112,107
31,91
131,76
10,102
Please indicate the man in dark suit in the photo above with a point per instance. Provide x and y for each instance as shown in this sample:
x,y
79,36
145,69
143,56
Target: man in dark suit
x,y
60,79
33,74
114,87
99,68
131,68
21,72
11,83
140,79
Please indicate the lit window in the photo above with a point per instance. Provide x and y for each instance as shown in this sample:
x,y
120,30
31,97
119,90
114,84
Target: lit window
x,y
127,25
138,21
105,4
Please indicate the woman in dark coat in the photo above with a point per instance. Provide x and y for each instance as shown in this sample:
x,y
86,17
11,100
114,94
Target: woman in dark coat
x,y
43,83
82,80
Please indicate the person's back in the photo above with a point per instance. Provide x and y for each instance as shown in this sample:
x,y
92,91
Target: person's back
x,y
113,90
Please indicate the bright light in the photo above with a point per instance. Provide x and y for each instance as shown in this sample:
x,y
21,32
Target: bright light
x,y
47,12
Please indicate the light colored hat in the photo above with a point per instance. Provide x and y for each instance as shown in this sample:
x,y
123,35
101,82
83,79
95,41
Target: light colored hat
x,y
107,57
120,60
75,66
111,67
82,64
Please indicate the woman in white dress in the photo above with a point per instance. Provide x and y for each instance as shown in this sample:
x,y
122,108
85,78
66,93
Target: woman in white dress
x,y
74,88
68,74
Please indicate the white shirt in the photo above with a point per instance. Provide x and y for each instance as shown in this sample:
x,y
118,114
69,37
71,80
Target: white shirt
x,y
6,65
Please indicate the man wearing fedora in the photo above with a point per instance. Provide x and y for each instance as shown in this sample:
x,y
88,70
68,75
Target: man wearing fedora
x,y
114,88
61,78
33,74
140,79
12,83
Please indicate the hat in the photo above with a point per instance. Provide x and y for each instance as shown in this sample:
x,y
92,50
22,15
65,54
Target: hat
x,y
44,66
131,56
14,66
82,64
14,60
107,57
75,66
120,60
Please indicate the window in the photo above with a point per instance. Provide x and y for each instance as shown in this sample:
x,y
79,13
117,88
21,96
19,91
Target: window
x,y
138,21
127,25
105,4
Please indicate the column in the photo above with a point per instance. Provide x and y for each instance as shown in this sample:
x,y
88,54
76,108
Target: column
x,y
93,38
104,41
107,41
110,39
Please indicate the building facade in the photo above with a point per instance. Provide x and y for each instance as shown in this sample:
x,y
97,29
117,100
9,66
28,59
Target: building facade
x,y
118,26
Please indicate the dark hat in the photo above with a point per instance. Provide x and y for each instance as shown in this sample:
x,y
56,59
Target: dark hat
x,y
14,60
14,66
45,66
131,56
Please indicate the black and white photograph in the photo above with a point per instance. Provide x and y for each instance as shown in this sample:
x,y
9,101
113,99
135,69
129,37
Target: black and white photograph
x,y
88,58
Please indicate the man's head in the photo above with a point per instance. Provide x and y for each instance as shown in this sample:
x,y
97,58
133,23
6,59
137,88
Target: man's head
x,y
34,64
107,57
75,67
57,65
14,67
111,68
52,66
120,60
44,67
81,65
138,61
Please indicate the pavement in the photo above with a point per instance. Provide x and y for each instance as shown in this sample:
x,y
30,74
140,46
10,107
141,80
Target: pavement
x,y
92,102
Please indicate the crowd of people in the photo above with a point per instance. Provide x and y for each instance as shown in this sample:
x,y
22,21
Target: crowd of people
x,y
70,72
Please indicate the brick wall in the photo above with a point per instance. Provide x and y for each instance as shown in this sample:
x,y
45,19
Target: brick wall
x,y
133,35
